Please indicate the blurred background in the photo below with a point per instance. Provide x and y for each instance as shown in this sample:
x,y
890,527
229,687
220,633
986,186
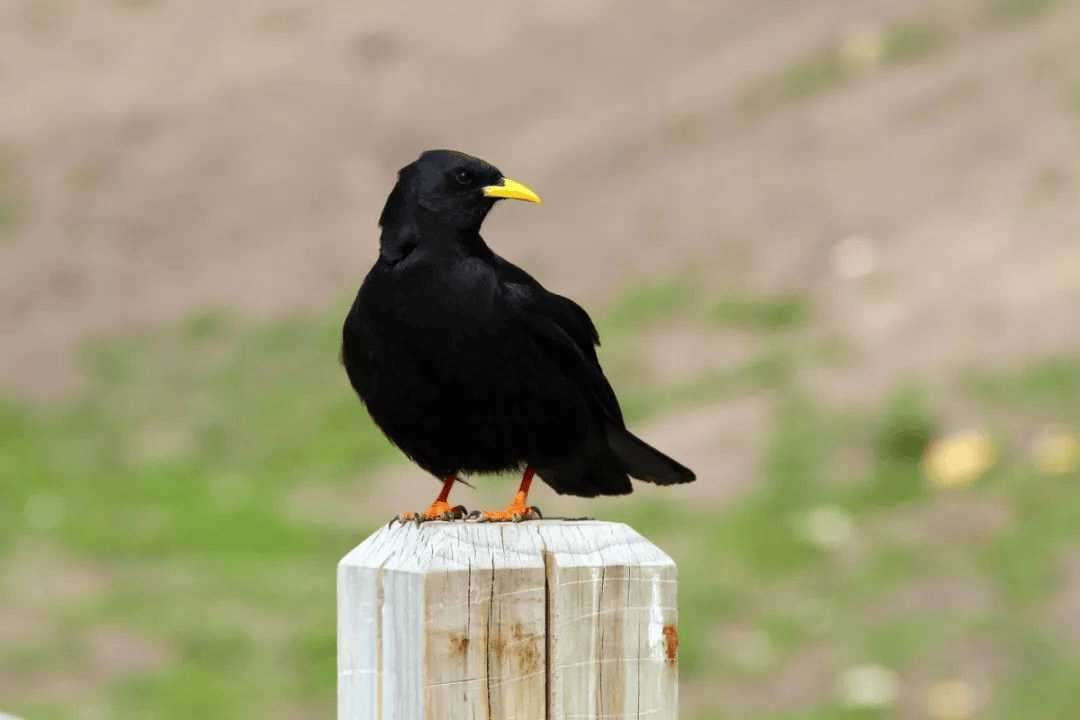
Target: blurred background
x,y
831,247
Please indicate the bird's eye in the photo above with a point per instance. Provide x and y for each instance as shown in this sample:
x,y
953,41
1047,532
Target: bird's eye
x,y
463,177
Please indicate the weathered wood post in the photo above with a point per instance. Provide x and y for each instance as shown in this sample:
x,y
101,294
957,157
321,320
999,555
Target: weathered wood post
x,y
550,619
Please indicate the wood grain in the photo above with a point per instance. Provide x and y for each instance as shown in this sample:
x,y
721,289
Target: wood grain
x,y
498,621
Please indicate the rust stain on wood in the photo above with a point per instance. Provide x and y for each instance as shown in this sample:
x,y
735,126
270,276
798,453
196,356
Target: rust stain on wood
x,y
528,648
671,643
497,647
459,645
519,648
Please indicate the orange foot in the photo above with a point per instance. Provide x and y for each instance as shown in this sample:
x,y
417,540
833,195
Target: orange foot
x,y
517,510
439,510
515,513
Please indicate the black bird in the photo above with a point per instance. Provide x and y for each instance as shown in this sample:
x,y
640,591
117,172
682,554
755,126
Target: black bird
x,y
468,364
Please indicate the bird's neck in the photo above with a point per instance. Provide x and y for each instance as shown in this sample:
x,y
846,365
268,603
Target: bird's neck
x,y
412,227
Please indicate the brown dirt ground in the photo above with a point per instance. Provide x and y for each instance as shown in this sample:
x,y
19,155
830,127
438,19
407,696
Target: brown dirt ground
x,y
174,155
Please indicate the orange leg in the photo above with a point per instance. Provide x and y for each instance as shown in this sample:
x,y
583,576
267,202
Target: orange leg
x,y
517,509
440,509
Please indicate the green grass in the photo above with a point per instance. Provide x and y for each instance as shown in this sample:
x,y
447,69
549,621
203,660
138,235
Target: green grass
x,y
643,305
831,351
1011,12
1048,388
900,642
1048,689
910,41
171,477
764,372
814,74
907,426
260,412
761,313
827,68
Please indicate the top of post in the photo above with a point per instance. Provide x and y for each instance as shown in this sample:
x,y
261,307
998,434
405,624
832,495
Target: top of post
x,y
441,545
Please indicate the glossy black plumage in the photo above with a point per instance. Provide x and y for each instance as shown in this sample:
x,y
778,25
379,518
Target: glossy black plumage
x,y
468,364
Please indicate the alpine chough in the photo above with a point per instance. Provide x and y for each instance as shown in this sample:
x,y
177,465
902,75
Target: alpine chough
x,y
469,365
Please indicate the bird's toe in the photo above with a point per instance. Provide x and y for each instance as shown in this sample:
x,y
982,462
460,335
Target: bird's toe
x,y
511,514
455,513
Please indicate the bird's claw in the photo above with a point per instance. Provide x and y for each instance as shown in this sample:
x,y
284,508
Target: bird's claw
x,y
530,513
455,513
460,513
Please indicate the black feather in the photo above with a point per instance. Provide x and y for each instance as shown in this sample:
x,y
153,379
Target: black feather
x,y
468,364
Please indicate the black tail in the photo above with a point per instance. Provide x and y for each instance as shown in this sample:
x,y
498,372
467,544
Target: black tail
x,y
645,462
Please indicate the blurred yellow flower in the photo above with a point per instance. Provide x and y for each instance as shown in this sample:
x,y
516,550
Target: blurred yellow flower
x,y
1056,451
950,700
960,459
863,44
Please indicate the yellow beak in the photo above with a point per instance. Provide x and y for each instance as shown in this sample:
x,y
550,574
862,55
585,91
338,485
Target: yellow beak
x,y
511,189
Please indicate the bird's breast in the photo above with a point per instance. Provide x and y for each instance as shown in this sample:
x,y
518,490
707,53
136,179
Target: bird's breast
x,y
447,310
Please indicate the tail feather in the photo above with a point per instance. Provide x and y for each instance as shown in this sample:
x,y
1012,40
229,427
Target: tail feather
x,y
645,462
601,476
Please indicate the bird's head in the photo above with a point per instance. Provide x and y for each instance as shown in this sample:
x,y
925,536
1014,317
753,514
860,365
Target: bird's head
x,y
451,188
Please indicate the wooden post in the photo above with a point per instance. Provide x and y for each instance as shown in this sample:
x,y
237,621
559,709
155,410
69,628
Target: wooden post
x,y
550,619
